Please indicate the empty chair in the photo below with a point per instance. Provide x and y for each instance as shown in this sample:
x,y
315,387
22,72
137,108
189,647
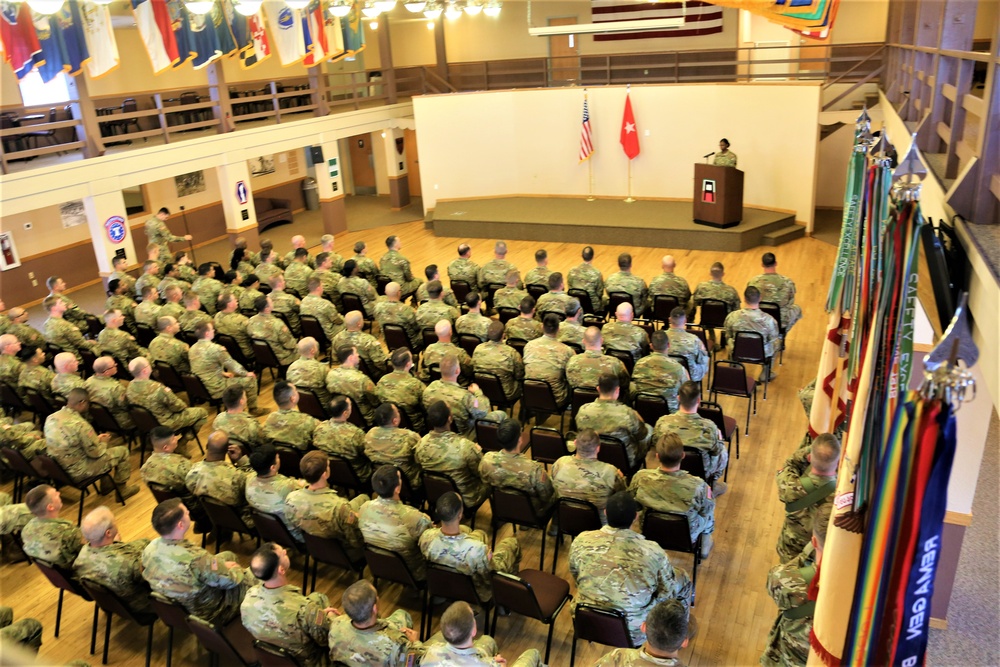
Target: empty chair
x,y
748,348
225,519
491,289
231,645
486,435
173,615
493,389
538,398
601,625
575,516
330,551
547,444
713,314
110,603
672,532
730,378
63,579
57,473
385,564
449,583
514,506
532,593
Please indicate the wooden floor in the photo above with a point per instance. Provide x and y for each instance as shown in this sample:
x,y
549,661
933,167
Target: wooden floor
x,y
733,608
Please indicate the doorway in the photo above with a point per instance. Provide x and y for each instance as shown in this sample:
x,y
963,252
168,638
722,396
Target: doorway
x,y
564,53
412,161
362,164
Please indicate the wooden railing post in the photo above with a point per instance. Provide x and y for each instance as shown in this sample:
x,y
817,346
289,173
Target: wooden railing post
x,y
318,85
275,100
84,111
385,55
440,53
158,100
218,90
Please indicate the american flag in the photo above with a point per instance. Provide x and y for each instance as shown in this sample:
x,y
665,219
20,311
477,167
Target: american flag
x,y
586,141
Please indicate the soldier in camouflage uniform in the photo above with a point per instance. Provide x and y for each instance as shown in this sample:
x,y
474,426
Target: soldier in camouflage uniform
x,y
265,326
61,333
524,326
209,587
148,309
207,287
625,281
696,432
66,378
157,232
23,437
278,613
172,300
666,630
74,444
10,365
46,536
326,243
284,304
501,360
432,274
788,585
806,483
388,444
458,629
218,478
298,243
511,295
570,329
753,319
319,511
346,379
236,423
545,359
369,348
588,278
328,275
193,315
510,468
113,563
314,305
26,633
217,369
403,389
397,267
119,266
473,322
366,265
464,268
539,275
585,369
495,271
669,283
360,637
13,517
104,388
467,405
658,373
308,373
33,374
555,300
447,452
266,491
394,311
778,289
622,334
268,267
687,345
456,546
616,567
185,269
171,278
389,524
715,289
150,278
288,426
250,292
583,477
609,417
117,342
229,321
160,400
167,348
340,437
298,271
120,299
242,259
670,489
74,314
435,309
169,469
25,333
435,352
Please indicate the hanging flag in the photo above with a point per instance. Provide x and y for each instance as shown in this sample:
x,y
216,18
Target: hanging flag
x,y
700,18
53,60
334,37
21,49
180,25
152,18
315,27
286,31
64,45
205,40
100,38
261,46
354,35
586,139
630,133
221,26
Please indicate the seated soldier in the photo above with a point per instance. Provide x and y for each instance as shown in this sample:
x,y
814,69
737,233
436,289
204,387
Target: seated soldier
x,y
267,490
524,326
666,630
754,320
328,266
34,374
352,282
539,274
463,268
696,432
366,265
61,333
669,283
625,281
217,477
582,477
307,372
510,468
314,305
658,373
435,308
616,567
806,483
687,345
161,401
670,489
555,300
435,352
347,380
209,587
444,451
609,417
251,293
236,423
622,334
388,444
193,315
397,267
217,369
393,311
288,426
167,348
432,274
458,628
388,524
473,322
319,511
501,360
570,329
360,637
148,309
545,359
120,298
369,347
104,388
511,295
231,322
715,289
265,326
402,388
337,436
150,278
10,365
467,405
46,537
284,304
25,633
298,271
111,562
275,612
456,546
585,369
778,289
169,470
116,341
66,377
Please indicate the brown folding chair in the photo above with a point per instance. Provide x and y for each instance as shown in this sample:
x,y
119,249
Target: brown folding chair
x,y
662,305
173,615
537,397
352,301
486,435
506,314
342,475
518,344
617,298
225,519
650,407
613,451
197,393
56,472
22,469
491,289
694,464
748,348
64,580
169,376
269,655
730,379
291,457
310,404
575,516
112,604
623,356
428,336
513,506
727,426
713,314
469,343
583,296
389,565
581,397
532,593
271,528
40,405
601,625
774,310
264,357
672,532
547,444
450,584
461,289
104,421
144,334
330,551
436,484
233,348
536,290
493,389
232,645
396,337
311,327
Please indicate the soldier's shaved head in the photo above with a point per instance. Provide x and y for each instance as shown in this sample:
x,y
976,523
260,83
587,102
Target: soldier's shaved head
x,y
512,277
97,523
768,260
217,445
668,264
443,331
464,249
624,312
77,399
298,241
353,320
64,361
103,364
500,249
400,358
39,498
7,341
137,366
678,317
167,515
393,290
264,562
592,338
308,347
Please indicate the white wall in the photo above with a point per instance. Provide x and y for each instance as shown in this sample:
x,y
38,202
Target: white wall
x,y
526,142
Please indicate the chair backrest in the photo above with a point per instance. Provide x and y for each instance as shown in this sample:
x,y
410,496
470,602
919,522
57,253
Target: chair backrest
x,y
263,354
271,528
516,594
613,451
601,625
668,529
171,612
224,516
428,336
216,640
698,331
506,313
461,289
160,492
623,356
195,389
142,418
129,105
486,435
169,376
512,506
693,462
17,462
774,310
357,418
535,290
40,405
449,583
144,334
395,337
232,347
577,348
491,290
518,344
662,305
269,655
381,281
55,470
469,343
290,458
327,550
342,474
547,444
309,404
104,420
112,603
713,411
538,395
683,361
713,313
582,396
583,296
650,407
748,347
436,484
62,577
351,302
389,565
10,398
617,298
312,327
577,516
492,388
730,377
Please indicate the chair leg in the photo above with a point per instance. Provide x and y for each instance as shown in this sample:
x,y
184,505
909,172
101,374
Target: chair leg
x,y
305,574
170,644
149,643
541,558
79,514
107,636
548,642
93,631
555,555
737,434
748,415
493,630
572,653
59,618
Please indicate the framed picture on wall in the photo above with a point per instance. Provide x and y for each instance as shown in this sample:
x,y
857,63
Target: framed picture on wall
x,y
190,183
9,259
261,165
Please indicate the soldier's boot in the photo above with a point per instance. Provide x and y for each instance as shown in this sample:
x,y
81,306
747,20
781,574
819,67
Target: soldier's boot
x,y
706,545
129,491
719,488
104,486
259,412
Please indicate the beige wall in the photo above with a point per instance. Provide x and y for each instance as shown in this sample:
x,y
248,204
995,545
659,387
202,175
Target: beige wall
x,y
46,231
526,142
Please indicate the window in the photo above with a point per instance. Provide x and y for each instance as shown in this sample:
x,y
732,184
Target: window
x,y
36,93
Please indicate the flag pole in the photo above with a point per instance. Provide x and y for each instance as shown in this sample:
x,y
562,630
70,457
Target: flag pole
x,y
629,200
590,167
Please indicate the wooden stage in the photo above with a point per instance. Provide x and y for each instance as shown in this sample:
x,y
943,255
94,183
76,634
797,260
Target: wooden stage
x,y
650,224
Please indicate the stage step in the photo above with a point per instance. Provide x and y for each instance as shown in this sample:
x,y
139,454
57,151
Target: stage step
x,y
783,235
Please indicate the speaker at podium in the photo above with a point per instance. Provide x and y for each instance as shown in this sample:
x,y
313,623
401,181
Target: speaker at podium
x,y
718,196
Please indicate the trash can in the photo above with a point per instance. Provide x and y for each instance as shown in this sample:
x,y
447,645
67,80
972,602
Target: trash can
x,y
311,194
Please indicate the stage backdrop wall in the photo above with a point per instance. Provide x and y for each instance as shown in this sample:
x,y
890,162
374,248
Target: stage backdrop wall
x,y
492,144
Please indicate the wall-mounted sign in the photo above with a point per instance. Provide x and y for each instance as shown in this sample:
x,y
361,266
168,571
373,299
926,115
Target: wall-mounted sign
x,y
115,227
241,192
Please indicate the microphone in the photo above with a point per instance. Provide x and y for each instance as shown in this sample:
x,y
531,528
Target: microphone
x,y
710,154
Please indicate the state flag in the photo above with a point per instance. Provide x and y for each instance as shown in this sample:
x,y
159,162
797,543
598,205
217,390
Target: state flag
x,y
152,18
180,24
64,45
287,32
630,133
101,42
315,27
21,49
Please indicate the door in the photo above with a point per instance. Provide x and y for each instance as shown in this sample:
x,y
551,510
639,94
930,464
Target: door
x,y
564,53
765,70
362,164
412,161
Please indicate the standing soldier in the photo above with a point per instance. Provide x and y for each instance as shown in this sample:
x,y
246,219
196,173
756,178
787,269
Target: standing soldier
x,y
805,484
157,232
394,265
588,278
778,289
464,268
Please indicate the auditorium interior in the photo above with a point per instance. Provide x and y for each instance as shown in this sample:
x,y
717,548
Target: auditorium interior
x,y
443,131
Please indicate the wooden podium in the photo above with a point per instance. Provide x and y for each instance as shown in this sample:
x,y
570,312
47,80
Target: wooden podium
x,y
718,196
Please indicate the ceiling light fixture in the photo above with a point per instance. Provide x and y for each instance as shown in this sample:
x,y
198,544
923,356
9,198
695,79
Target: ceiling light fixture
x,y
433,11
452,11
492,8
297,4
45,6
340,10
199,7
373,25
415,7
472,8
248,7
371,10
385,6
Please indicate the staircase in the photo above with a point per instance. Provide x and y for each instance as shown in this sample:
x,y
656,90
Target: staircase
x,y
783,235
